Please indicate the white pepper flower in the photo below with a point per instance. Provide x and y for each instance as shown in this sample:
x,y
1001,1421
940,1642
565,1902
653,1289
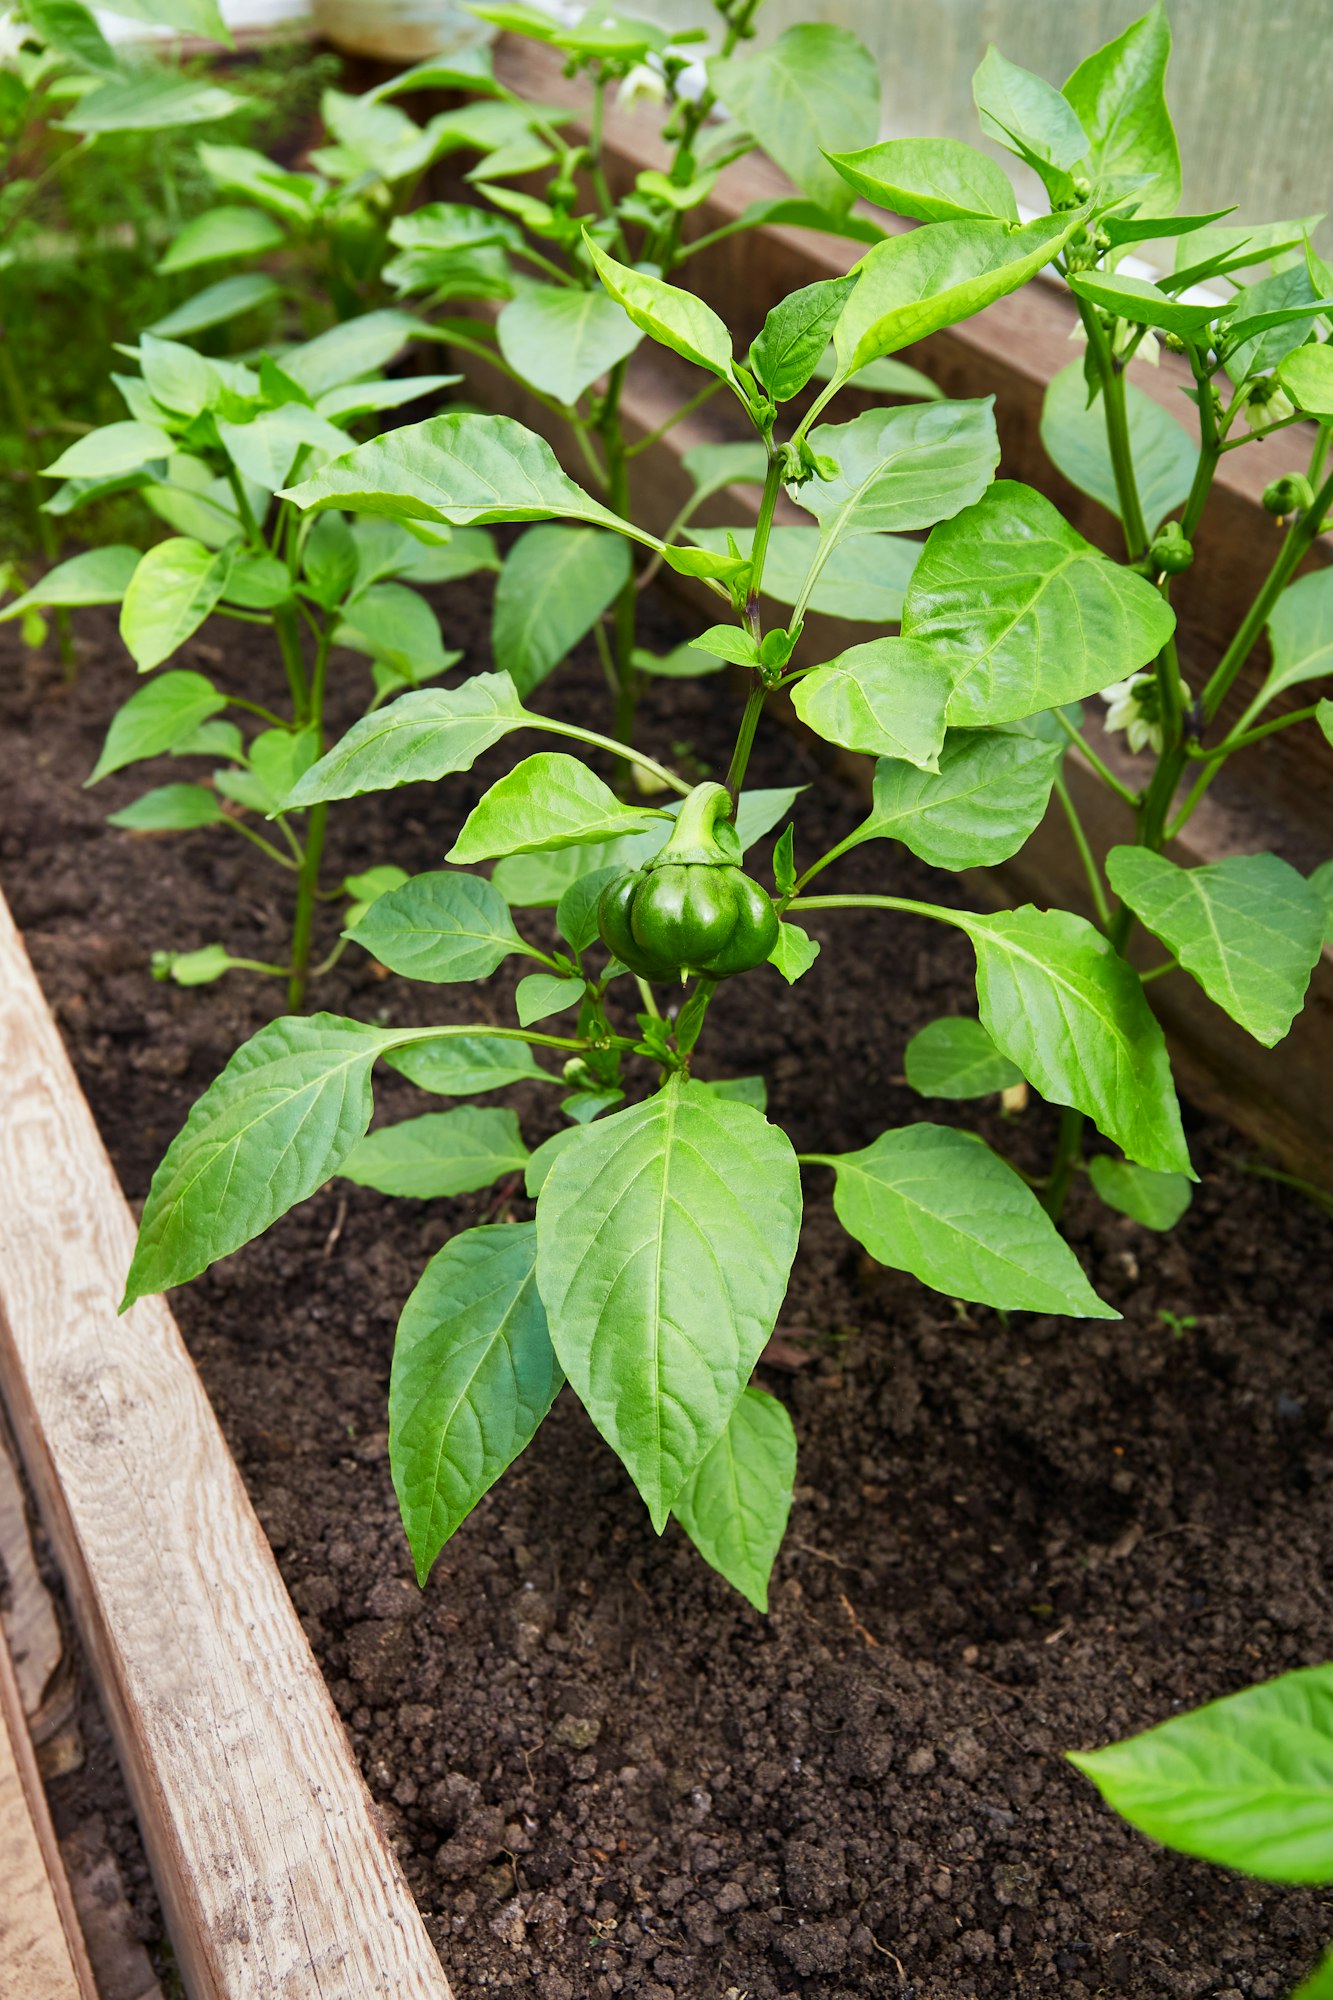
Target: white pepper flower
x,y
643,84
1134,706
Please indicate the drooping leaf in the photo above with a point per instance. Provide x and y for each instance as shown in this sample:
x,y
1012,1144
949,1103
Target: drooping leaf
x,y
1030,117
665,1237
542,994
1061,1004
441,1153
157,718
68,27
467,1065
902,468
1143,303
887,697
274,1126
473,1375
1040,616
1300,631
97,576
1248,928
424,735
1119,95
394,625
556,582
547,800
940,1204
562,340
169,809
440,927
227,231
1246,1781
1156,1200
149,100
932,180
793,337
675,318
1307,377
1163,452
217,305
988,793
955,1057
815,88
934,276
863,579
734,1507
794,952
111,450
173,590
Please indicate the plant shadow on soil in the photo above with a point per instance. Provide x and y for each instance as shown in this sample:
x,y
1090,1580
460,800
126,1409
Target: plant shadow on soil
x,y
604,1773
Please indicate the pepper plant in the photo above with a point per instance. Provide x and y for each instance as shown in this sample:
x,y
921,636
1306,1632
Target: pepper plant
x,y
206,444
668,1208
1246,1782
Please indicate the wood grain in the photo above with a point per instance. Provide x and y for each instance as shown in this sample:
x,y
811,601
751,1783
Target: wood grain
x,y
276,1881
42,1956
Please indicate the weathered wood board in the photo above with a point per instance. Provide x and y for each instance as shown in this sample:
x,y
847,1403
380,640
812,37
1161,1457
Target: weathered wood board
x,y
276,1880
41,1947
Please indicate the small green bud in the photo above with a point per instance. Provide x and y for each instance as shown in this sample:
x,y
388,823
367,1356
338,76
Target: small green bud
x,y
1170,553
1289,495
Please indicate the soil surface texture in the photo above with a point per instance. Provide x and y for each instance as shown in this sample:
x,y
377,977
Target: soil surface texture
x,y
605,1774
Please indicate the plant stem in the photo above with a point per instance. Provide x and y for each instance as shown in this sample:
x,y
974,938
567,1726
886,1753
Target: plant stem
x,y
1103,769
307,886
754,705
1086,855
289,644
624,750
1068,1155
1117,433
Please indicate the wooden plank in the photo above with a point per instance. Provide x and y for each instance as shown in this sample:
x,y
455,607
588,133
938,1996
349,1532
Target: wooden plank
x,y
42,1956
276,1880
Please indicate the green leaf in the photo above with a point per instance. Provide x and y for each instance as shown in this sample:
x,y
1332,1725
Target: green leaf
x,y
1265,322
675,318
1119,95
195,968
98,576
424,735
734,1507
244,171
228,231
862,579
955,1057
353,348
932,277
887,697
1307,377
157,718
1319,1985
1156,1200
467,1065
1248,928
815,87
938,1203
665,1237
682,663
191,17
988,794
460,469
439,927
441,1153
395,626
274,1126
562,340
1143,303
361,399
1030,118
793,338
794,952
178,379
713,467
1058,1001
113,449
548,800
750,1090
885,377
217,305
265,447
556,582
542,994
1300,631
276,759
1246,1782
1321,881
1038,617
173,590
729,642
932,180
576,912
169,809
1164,453
902,468
473,1375
150,100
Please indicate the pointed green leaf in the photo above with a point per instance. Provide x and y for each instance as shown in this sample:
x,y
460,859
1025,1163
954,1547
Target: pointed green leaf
x,y
1164,453
988,794
149,100
887,697
173,590
542,994
794,952
665,1236
549,800
228,231
1143,303
675,318
815,88
424,735
1037,614
1300,631
792,340
157,718
1030,117
1156,1200
734,1508
1119,95
938,1203
903,468
1058,1001
863,579
439,927
98,576
1246,1781
1307,377
466,1065
274,1126
217,305
1248,928
955,1057
441,1153
556,582
561,340
115,448
169,809
473,1375
932,180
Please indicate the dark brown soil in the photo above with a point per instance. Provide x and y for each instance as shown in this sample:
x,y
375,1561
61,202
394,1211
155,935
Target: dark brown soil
x,y
605,1774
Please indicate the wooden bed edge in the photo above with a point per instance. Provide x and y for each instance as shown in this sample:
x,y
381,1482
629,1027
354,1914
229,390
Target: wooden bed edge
x,y
276,1879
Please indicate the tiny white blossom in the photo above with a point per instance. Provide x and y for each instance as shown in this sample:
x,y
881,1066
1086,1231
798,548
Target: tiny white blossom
x,y
1267,404
12,31
1132,705
644,84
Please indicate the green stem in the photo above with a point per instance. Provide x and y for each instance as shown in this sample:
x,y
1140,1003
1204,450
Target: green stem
x,y
754,705
258,840
307,885
1103,769
1241,738
289,644
623,750
701,396
1090,868
1117,432
1300,537
740,756
626,609
1068,1157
